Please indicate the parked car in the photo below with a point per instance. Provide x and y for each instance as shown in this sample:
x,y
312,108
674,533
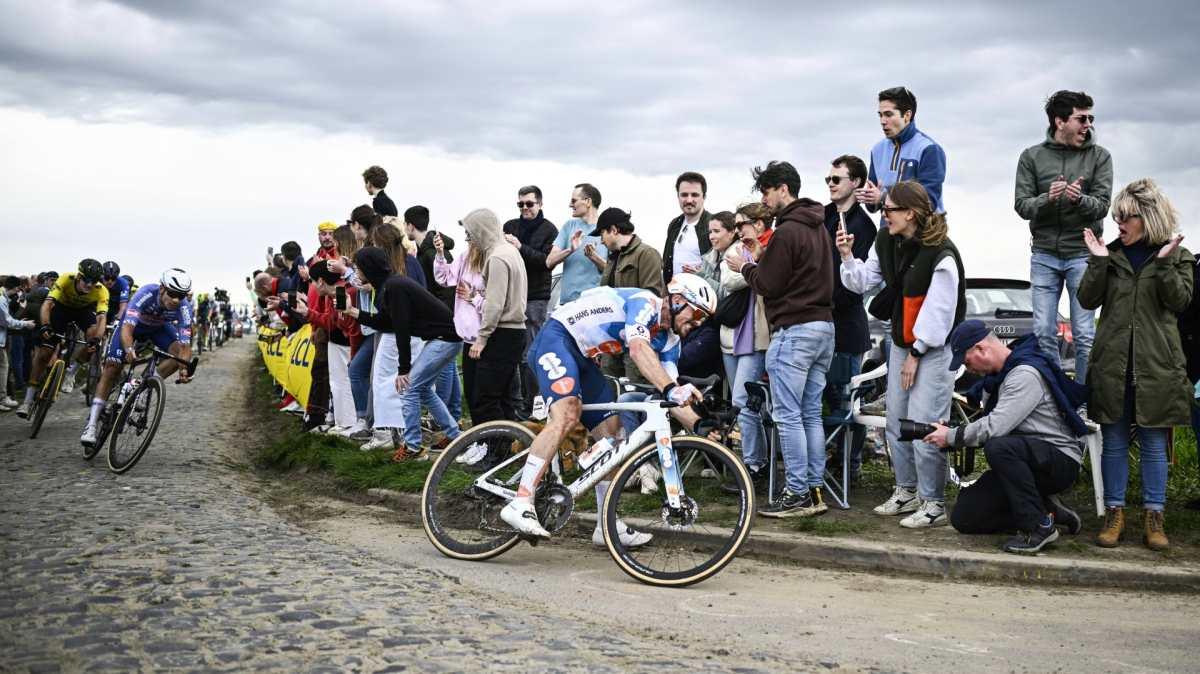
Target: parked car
x,y
1004,304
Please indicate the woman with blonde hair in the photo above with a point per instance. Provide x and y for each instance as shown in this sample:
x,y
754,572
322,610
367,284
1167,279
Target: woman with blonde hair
x,y
914,256
465,274
1138,372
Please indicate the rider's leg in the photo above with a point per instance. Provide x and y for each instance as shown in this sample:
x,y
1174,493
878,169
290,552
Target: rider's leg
x,y
41,358
112,370
166,368
519,513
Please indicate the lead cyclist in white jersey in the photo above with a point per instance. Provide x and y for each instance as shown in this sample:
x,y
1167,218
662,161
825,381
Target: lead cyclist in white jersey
x,y
565,355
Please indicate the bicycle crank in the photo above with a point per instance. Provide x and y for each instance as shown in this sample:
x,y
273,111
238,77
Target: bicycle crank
x,y
554,505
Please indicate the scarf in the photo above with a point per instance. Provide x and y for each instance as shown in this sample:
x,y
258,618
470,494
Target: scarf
x,y
1068,393
527,227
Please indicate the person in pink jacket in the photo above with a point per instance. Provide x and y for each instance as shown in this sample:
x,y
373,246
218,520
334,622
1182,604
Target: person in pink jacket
x,y
465,273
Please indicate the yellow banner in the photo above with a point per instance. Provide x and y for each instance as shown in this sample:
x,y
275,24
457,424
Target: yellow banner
x,y
289,359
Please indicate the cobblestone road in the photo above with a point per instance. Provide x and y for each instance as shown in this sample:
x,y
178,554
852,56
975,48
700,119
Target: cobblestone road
x,y
177,565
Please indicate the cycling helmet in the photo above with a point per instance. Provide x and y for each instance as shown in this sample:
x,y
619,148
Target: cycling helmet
x,y
176,280
695,291
90,268
112,269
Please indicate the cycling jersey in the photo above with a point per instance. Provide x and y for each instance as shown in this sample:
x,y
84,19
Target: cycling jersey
x,y
65,293
117,294
603,320
146,311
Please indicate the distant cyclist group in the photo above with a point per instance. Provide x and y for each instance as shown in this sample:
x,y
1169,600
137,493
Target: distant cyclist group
x,y
99,319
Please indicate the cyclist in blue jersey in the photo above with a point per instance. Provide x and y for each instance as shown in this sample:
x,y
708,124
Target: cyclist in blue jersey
x,y
151,314
118,291
565,356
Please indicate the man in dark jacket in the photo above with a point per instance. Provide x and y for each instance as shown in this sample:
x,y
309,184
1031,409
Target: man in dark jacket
x,y
411,311
376,179
533,237
851,335
1064,186
687,235
292,281
631,264
416,227
794,276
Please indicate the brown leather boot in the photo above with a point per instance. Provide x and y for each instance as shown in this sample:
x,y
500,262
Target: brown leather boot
x,y
1154,538
1114,527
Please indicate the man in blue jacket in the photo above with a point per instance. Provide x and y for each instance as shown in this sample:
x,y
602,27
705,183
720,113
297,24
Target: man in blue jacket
x,y
904,153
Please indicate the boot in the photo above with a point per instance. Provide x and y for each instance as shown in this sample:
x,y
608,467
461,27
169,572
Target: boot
x,y
1114,527
1154,538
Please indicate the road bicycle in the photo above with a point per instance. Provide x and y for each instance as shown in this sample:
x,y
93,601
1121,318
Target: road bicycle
x,y
96,366
48,393
698,528
140,401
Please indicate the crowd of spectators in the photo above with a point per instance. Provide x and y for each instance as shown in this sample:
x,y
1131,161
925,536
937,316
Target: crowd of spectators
x,y
790,274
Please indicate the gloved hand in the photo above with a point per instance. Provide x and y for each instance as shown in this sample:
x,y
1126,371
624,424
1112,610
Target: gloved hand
x,y
682,395
705,426
46,331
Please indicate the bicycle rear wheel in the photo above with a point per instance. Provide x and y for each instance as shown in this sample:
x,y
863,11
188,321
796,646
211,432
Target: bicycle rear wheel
x,y
462,521
45,397
136,425
691,543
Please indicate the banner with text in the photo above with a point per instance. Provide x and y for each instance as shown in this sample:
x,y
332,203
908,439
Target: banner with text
x,y
289,359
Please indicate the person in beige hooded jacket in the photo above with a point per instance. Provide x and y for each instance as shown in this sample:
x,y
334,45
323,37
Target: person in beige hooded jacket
x,y
502,329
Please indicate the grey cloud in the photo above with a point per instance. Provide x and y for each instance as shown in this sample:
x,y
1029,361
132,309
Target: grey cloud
x,y
620,85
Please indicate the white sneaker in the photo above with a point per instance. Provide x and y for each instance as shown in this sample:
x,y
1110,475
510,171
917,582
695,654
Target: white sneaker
x,y
336,430
89,436
382,439
523,518
473,454
359,431
294,408
903,500
930,514
68,384
629,537
9,402
646,478
23,410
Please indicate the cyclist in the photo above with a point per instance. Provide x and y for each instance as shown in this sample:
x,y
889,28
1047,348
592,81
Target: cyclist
x,y
75,298
606,321
203,309
148,316
118,291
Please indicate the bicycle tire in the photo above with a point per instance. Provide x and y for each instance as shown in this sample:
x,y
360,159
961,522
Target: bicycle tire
x,y
707,545
452,510
139,432
46,397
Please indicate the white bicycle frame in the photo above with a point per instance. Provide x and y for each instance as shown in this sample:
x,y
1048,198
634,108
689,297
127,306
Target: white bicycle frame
x,y
657,425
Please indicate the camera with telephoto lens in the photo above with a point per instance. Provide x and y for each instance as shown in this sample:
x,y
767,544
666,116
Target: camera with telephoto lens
x,y
914,430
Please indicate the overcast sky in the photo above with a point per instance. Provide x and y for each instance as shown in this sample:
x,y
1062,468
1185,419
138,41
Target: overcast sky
x,y
196,134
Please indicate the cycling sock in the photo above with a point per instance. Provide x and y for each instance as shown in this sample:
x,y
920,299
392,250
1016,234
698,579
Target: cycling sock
x,y
31,391
601,491
74,368
529,477
97,406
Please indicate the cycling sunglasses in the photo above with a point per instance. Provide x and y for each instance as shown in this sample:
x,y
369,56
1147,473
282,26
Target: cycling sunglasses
x,y
176,295
698,313
89,279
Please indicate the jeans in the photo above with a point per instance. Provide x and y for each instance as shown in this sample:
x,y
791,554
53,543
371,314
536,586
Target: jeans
x,y
918,463
631,420
449,389
1048,273
833,394
797,362
426,369
360,375
1152,457
16,344
740,370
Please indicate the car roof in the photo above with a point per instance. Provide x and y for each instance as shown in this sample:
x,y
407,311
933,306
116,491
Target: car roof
x,y
998,283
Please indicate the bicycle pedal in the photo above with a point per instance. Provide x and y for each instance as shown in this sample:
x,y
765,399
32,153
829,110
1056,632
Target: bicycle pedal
x,y
531,540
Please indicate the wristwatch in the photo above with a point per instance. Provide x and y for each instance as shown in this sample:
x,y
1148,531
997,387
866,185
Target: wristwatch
x,y
912,351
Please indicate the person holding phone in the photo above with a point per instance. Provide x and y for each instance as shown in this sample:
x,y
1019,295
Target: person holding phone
x,y
325,309
687,234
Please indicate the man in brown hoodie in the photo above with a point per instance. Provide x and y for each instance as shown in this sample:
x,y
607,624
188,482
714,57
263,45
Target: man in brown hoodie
x,y
794,276
502,328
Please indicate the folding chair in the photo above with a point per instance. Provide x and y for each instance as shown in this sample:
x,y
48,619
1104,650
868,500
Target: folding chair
x,y
841,419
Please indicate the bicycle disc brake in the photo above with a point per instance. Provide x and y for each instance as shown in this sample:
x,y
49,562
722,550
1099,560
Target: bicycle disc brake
x,y
682,517
554,505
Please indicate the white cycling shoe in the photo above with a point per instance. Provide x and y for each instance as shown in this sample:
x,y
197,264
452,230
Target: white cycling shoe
x,y
523,518
473,454
89,436
629,537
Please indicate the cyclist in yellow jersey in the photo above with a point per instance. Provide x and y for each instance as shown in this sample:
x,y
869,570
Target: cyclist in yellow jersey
x,y
78,298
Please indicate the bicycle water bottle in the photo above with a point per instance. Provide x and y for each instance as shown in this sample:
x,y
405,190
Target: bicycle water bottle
x,y
595,452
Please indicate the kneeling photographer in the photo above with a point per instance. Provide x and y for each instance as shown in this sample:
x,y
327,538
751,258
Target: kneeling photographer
x,y
1028,433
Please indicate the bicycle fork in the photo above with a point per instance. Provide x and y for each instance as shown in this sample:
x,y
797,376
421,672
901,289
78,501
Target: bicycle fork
x,y
669,462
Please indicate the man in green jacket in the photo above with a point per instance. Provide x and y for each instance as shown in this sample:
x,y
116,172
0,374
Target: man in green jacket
x,y
631,264
1064,186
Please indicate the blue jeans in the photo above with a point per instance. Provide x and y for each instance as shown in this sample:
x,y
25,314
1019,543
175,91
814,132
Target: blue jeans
x,y
918,463
16,344
360,375
739,370
424,372
1047,274
449,389
631,420
833,396
797,362
1114,460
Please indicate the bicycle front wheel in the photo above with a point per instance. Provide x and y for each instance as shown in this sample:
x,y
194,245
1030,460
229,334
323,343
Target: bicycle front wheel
x,y
461,520
95,369
136,425
690,543
45,397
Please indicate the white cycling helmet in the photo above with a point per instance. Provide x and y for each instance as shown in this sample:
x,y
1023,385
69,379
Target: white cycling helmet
x,y
176,280
695,291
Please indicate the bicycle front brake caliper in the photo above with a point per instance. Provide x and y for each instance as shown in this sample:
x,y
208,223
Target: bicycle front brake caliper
x,y
672,480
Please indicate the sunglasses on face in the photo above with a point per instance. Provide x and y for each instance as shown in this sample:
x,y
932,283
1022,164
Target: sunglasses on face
x,y
1085,118
1125,216
528,204
834,180
579,199
892,209
89,279
174,295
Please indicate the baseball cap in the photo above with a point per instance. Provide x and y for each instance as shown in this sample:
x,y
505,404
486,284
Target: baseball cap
x,y
609,218
962,338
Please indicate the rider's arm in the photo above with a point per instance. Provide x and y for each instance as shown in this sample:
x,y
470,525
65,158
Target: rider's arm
x,y
127,335
45,313
648,363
